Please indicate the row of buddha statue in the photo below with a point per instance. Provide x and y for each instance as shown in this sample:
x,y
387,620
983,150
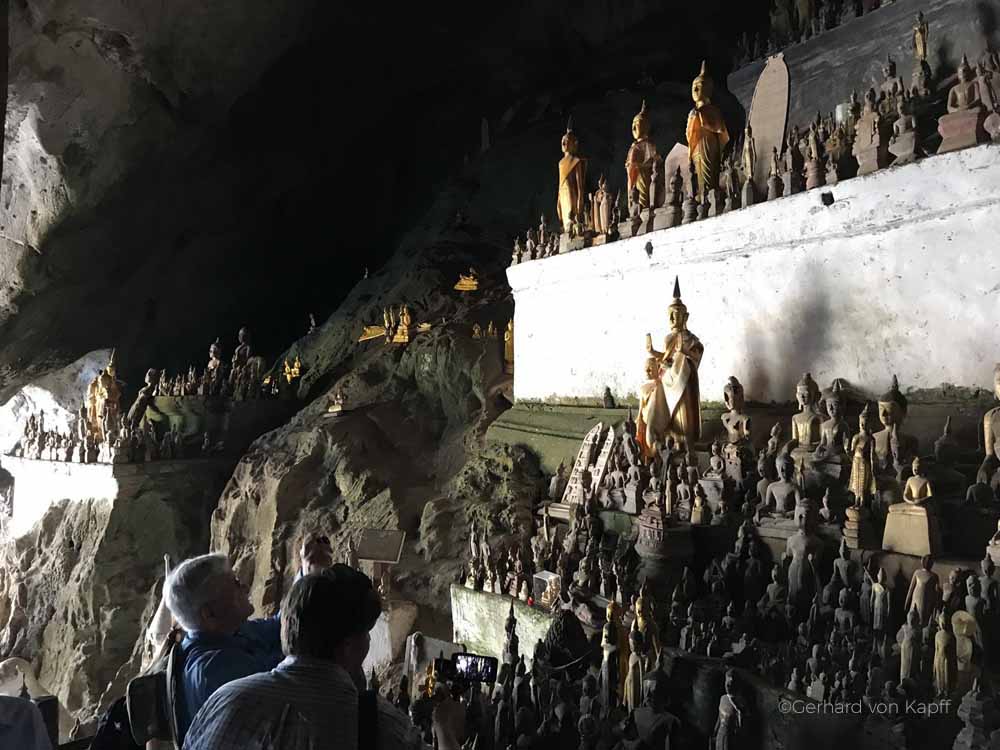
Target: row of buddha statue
x,y
121,443
794,21
398,326
893,124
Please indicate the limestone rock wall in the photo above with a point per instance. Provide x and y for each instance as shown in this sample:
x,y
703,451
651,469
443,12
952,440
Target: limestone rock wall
x,y
78,589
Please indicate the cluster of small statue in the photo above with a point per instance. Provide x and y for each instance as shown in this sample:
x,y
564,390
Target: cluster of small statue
x,y
893,125
616,697
117,443
794,21
397,326
242,380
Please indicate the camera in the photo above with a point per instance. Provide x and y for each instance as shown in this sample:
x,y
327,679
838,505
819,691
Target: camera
x,y
467,668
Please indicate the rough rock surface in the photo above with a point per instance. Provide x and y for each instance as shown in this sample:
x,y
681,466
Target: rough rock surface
x,y
58,395
77,591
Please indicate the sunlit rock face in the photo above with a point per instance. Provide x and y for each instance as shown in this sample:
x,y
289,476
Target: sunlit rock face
x,y
58,395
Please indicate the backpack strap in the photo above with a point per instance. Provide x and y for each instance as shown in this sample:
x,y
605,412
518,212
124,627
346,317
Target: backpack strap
x,y
175,675
367,719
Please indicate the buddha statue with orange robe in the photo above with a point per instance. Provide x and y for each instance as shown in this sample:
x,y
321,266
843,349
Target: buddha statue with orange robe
x,y
707,135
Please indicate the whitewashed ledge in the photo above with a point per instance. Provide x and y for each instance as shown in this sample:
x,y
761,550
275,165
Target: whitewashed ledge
x,y
900,273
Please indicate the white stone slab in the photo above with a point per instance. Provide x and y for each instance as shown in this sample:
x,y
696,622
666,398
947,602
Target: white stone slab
x,y
900,274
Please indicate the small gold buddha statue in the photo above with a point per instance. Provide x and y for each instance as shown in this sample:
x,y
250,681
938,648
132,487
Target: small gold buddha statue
x,y
806,424
641,157
572,181
707,135
508,346
921,33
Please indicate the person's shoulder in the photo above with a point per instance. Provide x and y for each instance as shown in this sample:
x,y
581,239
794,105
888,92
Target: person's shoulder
x,y
395,730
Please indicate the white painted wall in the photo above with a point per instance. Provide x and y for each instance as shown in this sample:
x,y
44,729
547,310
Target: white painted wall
x,y
901,274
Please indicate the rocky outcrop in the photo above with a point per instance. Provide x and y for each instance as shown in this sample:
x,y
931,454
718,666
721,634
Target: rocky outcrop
x,y
77,591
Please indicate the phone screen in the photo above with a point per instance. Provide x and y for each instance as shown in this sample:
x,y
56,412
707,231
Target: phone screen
x,y
476,668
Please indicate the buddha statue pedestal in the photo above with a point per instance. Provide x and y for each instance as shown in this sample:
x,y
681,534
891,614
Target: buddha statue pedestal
x,y
568,244
667,217
873,157
911,530
992,126
962,129
859,533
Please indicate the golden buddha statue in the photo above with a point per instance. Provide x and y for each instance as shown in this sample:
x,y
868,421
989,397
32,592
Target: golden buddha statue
x,y
678,377
641,157
921,32
707,135
508,346
651,423
104,396
572,181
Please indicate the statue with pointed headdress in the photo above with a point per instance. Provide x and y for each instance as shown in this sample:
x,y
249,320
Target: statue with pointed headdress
x,y
707,135
678,414
572,181
104,396
641,158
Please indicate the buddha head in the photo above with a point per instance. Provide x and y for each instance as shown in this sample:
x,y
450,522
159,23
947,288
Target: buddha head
x,y
677,312
786,467
244,335
569,142
892,406
863,418
702,87
832,400
640,123
916,465
806,391
652,368
964,70
215,350
733,394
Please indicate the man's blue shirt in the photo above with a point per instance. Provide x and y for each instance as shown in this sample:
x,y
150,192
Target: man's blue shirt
x,y
212,660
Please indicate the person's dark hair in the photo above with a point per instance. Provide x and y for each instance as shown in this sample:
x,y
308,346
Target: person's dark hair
x,y
322,609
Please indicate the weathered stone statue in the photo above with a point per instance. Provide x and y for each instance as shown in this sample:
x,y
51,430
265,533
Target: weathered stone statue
x,y
641,158
738,451
601,211
871,137
962,126
730,716
572,181
834,434
104,396
652,421
242,353
924,594
909,646
144,399
921,38
707,135
944,657
881,597
911,526
783,496
894,450
918,488
678,375
803,548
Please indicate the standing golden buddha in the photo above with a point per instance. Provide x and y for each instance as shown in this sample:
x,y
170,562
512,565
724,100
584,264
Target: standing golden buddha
x,y
641,157
572,181
676,410
707,135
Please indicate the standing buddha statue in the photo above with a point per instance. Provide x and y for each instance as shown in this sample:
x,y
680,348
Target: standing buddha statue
x,y
572,181
707,135
678,375
641,157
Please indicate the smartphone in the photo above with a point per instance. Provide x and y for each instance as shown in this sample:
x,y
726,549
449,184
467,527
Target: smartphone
x,y
474,668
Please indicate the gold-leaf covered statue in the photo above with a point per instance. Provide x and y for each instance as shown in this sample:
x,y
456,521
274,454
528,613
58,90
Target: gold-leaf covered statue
x,y
678,415
921,32
467,283
104,396
707,135
641,157
508,346
572,181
